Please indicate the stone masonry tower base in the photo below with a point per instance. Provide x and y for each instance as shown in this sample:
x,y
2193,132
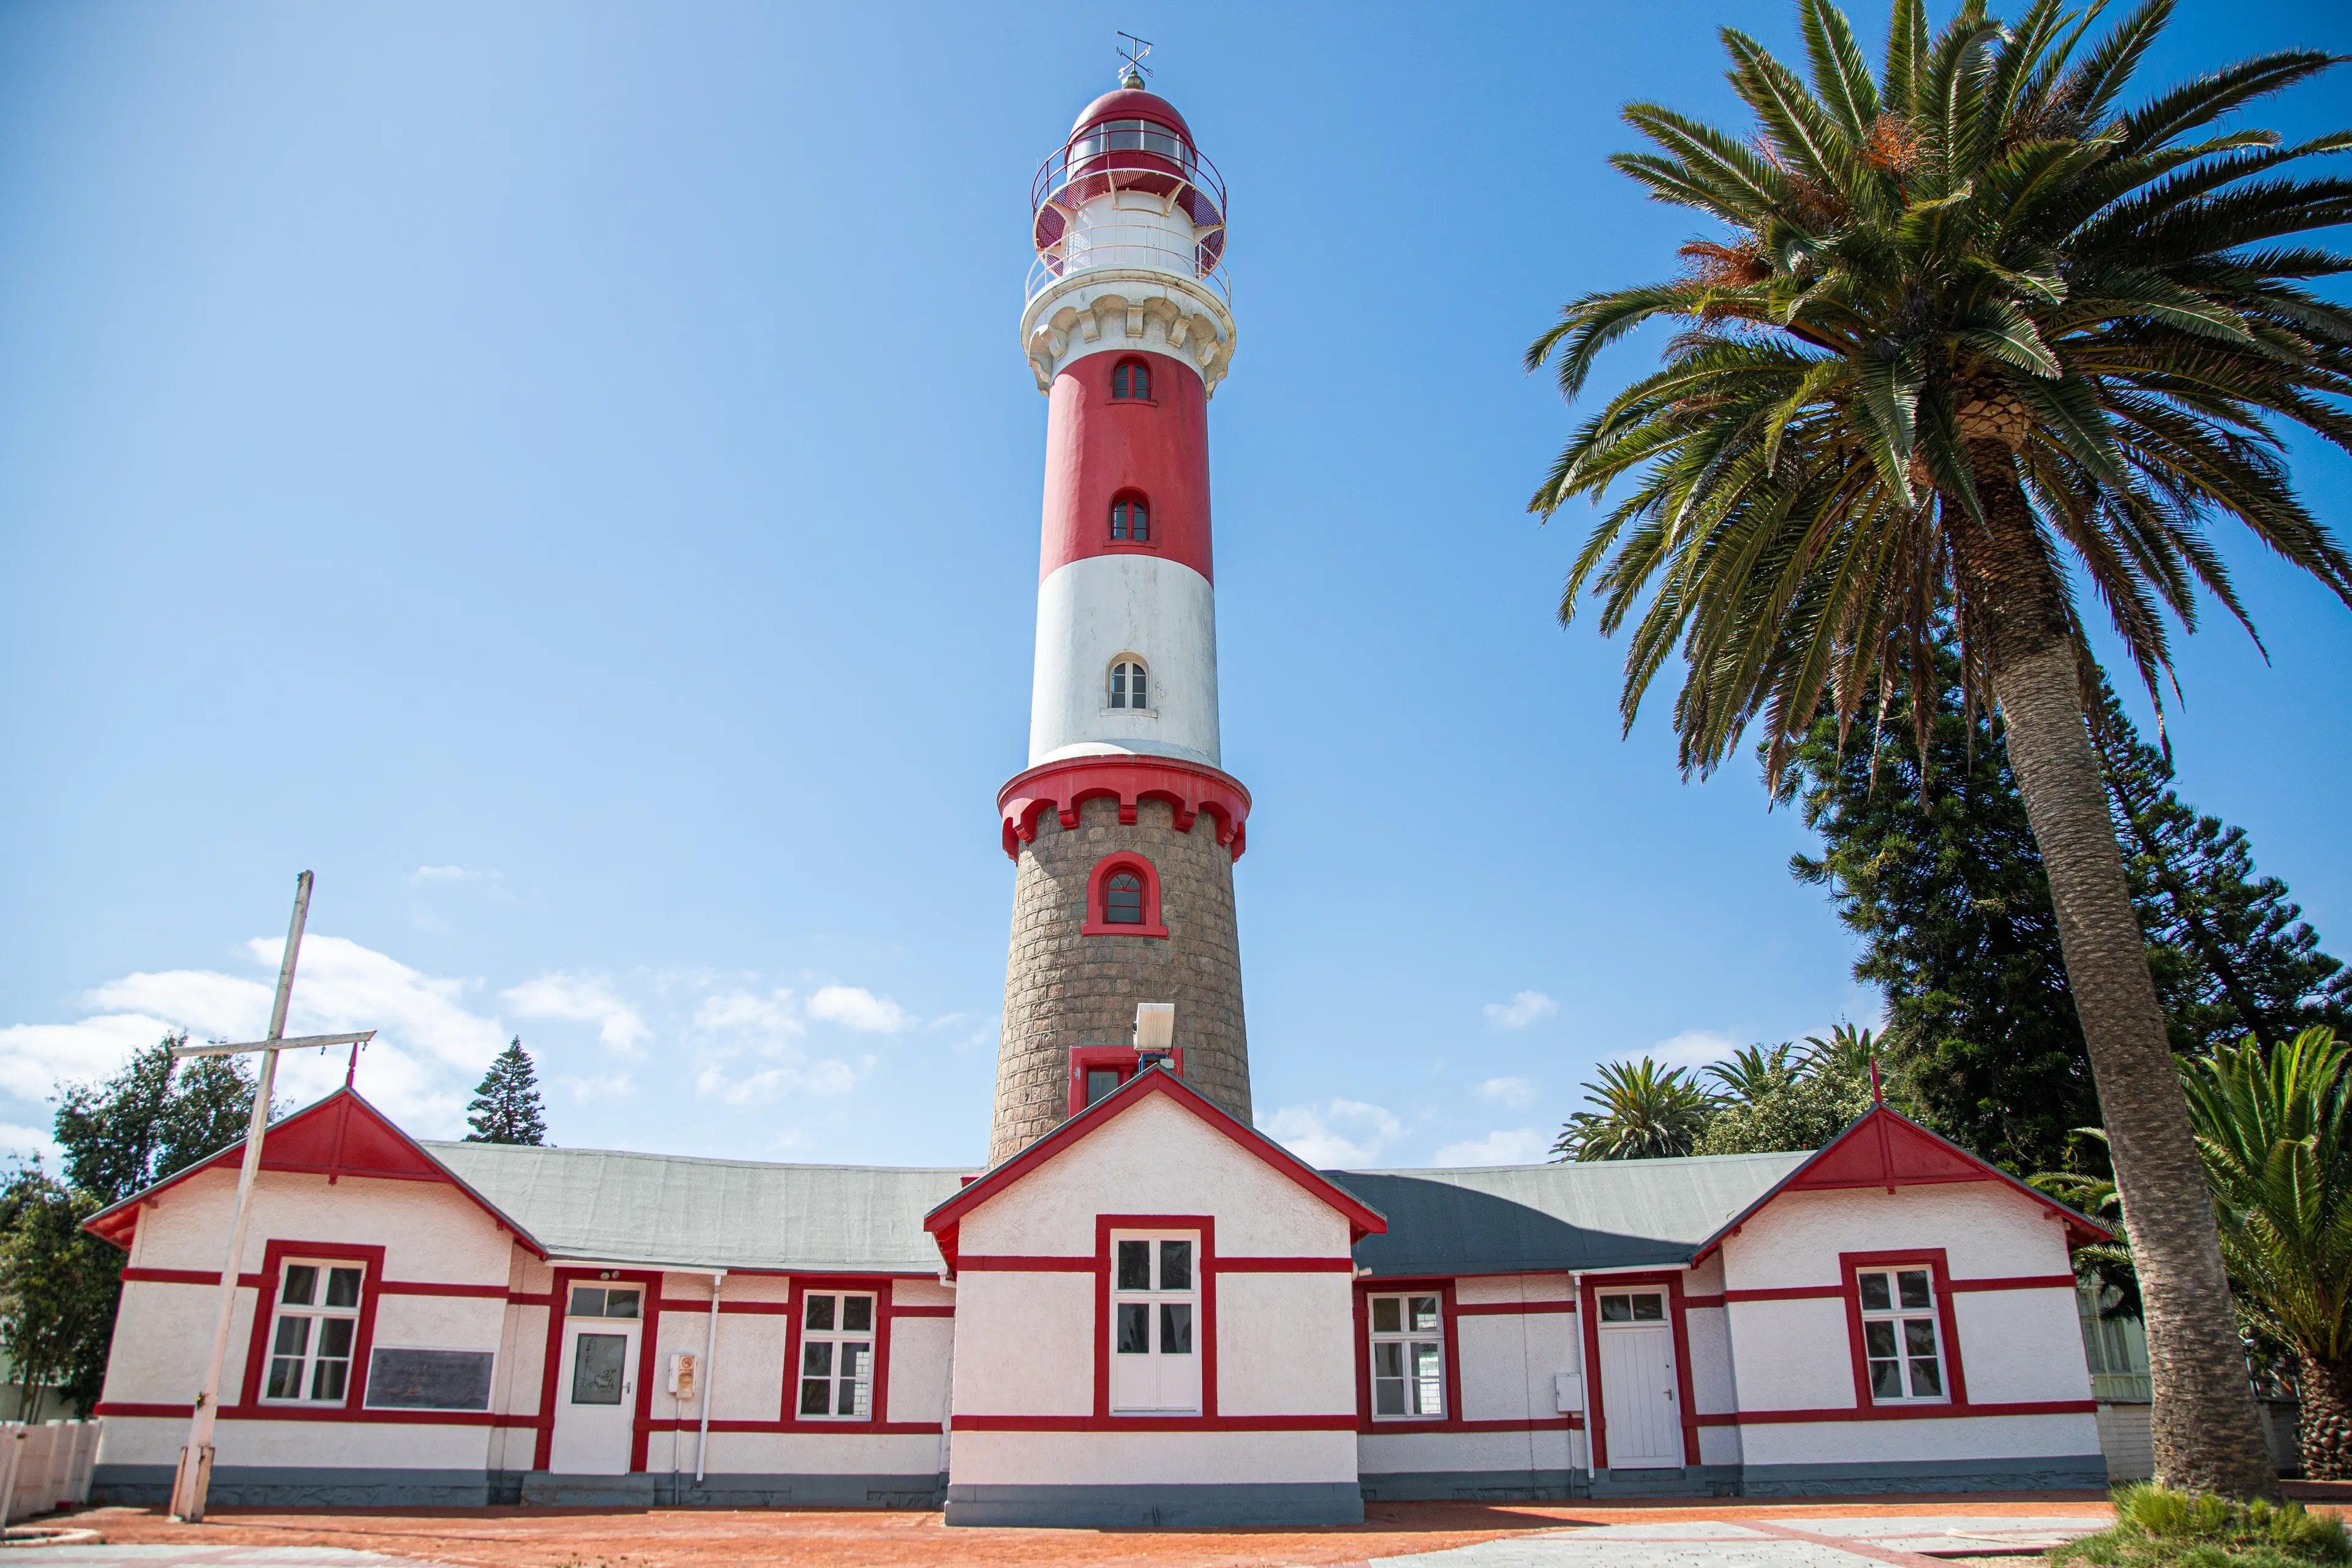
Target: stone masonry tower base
x,y
1065,988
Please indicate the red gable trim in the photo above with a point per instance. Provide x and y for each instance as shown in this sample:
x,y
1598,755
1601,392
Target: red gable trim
x,y
1886,1149
942,1221
341,1135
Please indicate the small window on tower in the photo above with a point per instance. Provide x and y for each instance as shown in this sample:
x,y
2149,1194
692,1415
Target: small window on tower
x,y
1130,686
1123,899
1131,519
1131,379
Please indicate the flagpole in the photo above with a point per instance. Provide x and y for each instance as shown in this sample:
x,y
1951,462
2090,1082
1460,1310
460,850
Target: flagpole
x,y
194,1479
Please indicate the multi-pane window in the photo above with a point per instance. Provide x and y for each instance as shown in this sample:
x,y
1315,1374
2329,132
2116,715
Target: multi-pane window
x,y
1900,1337
310,1343
1646,1306
604,1302
1131,519
1130,685
1132,378
1123,899
1408,1357
837,1355
1155,1304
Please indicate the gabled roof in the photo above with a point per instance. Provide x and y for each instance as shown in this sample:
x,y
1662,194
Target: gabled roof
x,y
1539,1219
941,1222
607,1206
1885,1148
341,1135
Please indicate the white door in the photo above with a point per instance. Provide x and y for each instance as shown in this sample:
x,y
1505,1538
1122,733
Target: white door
x,y
596,1398
1155,1359
1638,1400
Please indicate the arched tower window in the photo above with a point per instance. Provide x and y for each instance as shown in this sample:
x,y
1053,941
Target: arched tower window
x,y
1123,897
1130,378
1130,517
1130,686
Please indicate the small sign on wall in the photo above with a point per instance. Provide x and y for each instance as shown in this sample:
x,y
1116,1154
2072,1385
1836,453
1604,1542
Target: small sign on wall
x,y
681,1375
401,1379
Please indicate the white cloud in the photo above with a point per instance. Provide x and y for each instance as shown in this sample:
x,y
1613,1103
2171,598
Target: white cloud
x,y
26,1143
767,1021
601,1086
431,876
855,1007
1511,1091
428,1050
582,999
34,1057
1504,1146
1521,1010
1314,1132
1691,1047
826,1079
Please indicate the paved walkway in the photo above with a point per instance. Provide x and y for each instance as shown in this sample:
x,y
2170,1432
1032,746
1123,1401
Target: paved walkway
x,y
1916,1541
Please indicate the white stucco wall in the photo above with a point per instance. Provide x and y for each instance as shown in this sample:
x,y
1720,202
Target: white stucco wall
x,y
1096,608
1027,1342
2015,1346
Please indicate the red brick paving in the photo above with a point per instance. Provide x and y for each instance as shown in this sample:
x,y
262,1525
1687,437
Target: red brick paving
x,y
709,1537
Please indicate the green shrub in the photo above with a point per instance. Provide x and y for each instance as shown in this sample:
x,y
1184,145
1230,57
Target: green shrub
x,y
2159,1529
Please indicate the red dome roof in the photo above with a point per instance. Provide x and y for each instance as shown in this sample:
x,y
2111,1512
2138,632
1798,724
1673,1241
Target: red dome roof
x,y
1132,103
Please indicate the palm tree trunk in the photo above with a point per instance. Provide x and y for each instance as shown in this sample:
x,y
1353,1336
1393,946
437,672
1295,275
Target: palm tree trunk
x,y
2324,1426
2208,1435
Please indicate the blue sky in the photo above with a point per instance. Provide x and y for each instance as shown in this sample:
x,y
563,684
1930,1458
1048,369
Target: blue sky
x,y
567,474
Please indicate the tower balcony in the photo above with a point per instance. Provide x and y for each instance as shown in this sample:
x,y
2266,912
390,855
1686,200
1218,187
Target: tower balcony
x,y
1129,193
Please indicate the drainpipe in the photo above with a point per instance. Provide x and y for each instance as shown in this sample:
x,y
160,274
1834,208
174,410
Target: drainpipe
x,y
710,1356
1584,1379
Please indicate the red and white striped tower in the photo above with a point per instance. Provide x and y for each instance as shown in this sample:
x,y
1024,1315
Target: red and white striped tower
x,y
1124,825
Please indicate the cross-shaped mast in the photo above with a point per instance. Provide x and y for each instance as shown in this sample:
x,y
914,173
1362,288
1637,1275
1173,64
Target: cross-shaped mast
x,y
193,1478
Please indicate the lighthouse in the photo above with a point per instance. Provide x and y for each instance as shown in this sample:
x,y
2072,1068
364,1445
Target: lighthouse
x,y
1124,825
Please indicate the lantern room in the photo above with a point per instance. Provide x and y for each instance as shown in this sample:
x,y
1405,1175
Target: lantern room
x,y
1128,191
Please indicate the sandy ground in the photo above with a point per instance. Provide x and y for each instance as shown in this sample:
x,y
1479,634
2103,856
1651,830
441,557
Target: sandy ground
x,y
704,1538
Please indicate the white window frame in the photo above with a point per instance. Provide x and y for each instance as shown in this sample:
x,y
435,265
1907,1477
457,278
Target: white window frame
x,y
1899,1320
1121,680
841,1344
1156,1300
1631,1295
1397,1357
320,1322
636,1294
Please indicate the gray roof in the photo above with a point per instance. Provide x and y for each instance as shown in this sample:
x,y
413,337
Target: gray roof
x,y
1524,1219
606,1207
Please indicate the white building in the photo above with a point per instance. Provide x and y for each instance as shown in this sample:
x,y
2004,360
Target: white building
x,y
1144,1311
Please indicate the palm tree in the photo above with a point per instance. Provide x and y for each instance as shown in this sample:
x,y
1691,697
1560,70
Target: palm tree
x,y
1647,1112
2276,1137
1975,325
1751,1072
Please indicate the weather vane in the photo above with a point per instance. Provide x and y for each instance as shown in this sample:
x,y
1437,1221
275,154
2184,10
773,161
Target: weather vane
x,y
1133,72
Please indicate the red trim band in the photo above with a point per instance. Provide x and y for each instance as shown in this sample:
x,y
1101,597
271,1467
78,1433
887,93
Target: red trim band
x,y
1906,1412
1519,1308
1189,788
1153,1423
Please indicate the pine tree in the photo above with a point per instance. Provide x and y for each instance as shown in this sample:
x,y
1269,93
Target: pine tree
x,y
506,1108
2231,954
1933,865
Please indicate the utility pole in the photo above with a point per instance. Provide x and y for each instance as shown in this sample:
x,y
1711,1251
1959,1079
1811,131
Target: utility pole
x,y
193,1478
